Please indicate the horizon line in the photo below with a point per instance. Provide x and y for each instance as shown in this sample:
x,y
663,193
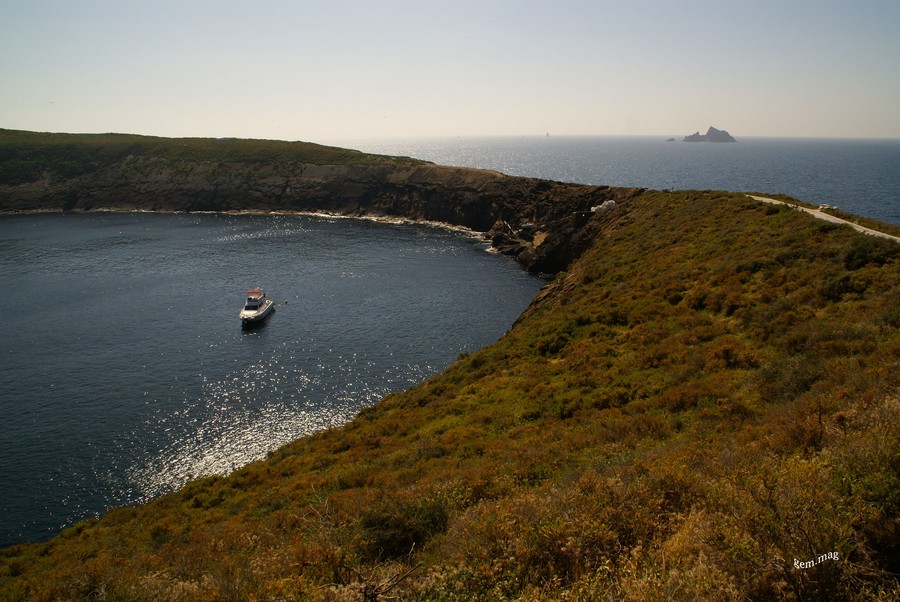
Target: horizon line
x,y
666,136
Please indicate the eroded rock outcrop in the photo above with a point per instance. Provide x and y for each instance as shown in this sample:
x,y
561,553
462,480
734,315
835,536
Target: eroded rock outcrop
x,y
539,222
712,135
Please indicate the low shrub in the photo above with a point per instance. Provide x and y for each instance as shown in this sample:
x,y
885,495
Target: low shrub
x,y
397,526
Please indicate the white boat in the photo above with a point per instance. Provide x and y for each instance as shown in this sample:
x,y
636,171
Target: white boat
x,y
257,308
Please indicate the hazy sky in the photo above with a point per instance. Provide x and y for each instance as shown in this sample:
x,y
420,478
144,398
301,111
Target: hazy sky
x,y
331,70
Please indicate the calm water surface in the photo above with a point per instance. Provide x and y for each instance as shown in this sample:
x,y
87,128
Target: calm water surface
x,y
125,370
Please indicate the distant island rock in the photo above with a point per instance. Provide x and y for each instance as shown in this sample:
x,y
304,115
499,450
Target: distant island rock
x,y
712,135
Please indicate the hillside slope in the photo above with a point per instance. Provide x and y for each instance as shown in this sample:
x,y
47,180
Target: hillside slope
x,y
535,220
702,406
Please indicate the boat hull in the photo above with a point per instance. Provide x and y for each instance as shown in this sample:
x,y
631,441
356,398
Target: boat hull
x,y
255,316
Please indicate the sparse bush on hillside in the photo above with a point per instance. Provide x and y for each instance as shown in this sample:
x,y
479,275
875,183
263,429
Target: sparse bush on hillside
x,y
867,250
393,528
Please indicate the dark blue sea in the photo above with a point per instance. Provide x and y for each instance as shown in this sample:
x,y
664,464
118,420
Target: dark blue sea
x,y
126,371
859,176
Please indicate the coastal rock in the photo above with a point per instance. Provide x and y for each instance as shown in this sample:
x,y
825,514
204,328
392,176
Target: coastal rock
x,y
712,135
160,174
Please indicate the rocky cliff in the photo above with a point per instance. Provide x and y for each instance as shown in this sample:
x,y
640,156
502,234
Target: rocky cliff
x,y
712,135
543,224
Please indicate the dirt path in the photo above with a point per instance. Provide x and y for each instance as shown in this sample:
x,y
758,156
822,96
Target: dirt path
x,y
828,218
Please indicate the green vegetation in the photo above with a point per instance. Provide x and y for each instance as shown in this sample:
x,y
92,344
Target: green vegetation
x,y
25,156
849,217
864,221
707,398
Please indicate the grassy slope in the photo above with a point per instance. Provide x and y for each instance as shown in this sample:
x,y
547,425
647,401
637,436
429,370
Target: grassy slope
x,y
25,156
709,393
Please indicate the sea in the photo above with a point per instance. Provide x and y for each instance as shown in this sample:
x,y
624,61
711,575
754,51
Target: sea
x,y
126,372
861,176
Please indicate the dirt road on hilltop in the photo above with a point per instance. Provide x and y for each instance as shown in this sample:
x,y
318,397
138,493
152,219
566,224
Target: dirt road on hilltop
x,y
828,218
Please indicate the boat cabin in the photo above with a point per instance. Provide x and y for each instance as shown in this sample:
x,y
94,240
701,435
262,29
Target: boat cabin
x,y
255,299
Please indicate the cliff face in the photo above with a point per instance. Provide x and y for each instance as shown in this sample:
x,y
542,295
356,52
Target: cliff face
x,y
712,135
536,221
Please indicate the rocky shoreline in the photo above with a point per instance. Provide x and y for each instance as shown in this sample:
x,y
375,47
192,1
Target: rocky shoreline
x,y
543,224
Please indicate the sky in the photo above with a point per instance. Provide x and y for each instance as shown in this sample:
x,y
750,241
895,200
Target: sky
x,y
332,70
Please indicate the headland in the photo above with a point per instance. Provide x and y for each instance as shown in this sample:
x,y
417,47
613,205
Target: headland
x,y
706,390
